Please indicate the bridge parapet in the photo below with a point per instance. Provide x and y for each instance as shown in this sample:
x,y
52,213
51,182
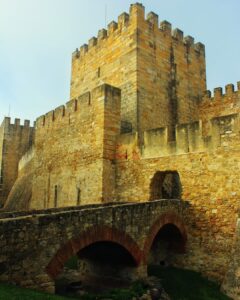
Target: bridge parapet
x,y
34,212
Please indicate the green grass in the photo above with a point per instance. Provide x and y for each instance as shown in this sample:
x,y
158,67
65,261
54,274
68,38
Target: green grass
x,y
10,292
179,284
187,285
135,290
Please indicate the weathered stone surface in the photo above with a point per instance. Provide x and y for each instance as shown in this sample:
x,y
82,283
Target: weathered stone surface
x,y
231,283
74,154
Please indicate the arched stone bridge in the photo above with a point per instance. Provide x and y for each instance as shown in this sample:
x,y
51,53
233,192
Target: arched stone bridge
x,y
34,246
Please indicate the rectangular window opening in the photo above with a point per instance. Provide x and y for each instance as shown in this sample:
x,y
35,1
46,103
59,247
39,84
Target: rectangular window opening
x,y
55,196
78,196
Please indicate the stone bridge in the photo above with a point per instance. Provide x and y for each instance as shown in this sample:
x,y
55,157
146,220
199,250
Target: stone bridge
x,y
35,245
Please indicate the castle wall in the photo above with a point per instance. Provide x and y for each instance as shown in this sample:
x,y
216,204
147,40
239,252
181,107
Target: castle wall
x,y
15,140
209,173
189,138
74,151
171,74
219,105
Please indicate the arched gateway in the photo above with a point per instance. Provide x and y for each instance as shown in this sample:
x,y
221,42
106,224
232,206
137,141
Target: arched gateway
x,y
165,185
167,234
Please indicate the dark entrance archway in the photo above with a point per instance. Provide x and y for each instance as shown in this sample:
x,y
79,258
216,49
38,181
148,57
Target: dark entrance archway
x,y
98,267
165,185
107,263
166,241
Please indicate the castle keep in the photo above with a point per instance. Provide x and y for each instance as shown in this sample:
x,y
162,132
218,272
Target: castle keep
x,y
140,126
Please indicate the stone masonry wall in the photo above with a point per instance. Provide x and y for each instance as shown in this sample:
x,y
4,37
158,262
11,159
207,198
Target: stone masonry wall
x,y
210,182
15,140
171,74
231,283
74,151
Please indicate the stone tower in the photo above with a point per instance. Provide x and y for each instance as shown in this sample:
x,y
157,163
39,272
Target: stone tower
x,y
160,72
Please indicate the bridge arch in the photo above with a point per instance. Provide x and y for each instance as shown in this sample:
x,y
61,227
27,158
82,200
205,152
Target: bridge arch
x,y
168,225
87,238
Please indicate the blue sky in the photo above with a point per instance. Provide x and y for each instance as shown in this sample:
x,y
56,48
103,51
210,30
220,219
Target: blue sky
x,y
37,38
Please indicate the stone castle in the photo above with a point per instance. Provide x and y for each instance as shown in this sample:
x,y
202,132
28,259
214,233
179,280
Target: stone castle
x,y
140,126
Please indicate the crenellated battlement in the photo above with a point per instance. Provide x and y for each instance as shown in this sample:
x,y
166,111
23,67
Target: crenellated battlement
x,y
219,103
189,138
218,94
63,112
136,18
17,123
178,35
84,105
112,28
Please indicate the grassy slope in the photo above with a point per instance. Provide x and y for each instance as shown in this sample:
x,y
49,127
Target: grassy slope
x,y
180,284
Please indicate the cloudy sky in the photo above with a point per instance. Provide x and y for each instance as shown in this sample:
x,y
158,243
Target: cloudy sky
x,y
37,38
